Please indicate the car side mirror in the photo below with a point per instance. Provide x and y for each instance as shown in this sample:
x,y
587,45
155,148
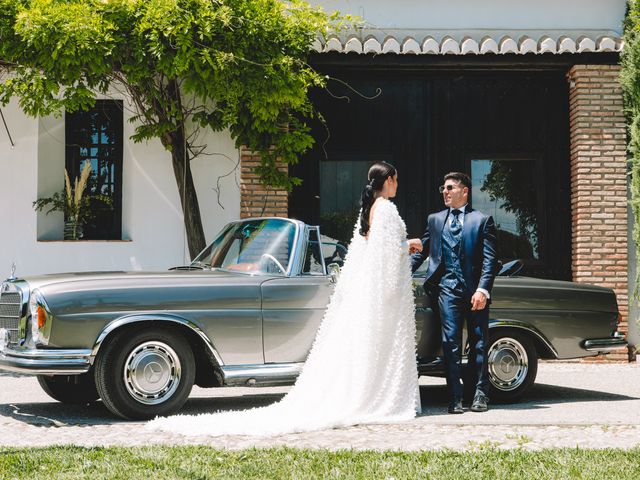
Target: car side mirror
x,y
510,269
333,269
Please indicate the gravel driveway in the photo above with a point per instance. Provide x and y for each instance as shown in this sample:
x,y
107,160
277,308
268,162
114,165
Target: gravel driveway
x,y
590,406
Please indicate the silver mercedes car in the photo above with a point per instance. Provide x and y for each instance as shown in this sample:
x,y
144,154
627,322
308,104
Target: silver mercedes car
x,y
245,312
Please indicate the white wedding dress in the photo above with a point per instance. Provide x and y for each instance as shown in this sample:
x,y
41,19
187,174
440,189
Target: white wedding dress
x,y
362,365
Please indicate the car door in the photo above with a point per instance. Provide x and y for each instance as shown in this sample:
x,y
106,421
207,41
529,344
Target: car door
x,y
293,307
428,331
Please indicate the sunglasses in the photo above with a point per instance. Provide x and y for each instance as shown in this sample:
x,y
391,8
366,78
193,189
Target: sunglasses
x,y
449,187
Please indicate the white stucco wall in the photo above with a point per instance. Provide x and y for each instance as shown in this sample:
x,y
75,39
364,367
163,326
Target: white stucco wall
x,y
153,233
494,14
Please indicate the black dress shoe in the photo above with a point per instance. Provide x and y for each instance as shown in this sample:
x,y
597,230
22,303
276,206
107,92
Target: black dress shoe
x,y
456,406
480,403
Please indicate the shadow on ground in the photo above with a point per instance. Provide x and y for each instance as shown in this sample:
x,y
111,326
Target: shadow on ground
x,y
544,395
434,399
56,414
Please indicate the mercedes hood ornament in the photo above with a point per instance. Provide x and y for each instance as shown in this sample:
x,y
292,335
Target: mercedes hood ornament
x,y
13,272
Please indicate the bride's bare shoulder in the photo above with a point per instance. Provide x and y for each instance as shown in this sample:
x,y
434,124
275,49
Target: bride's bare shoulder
x,y
375,205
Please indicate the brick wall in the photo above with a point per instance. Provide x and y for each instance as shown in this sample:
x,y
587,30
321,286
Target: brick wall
x,y
599,182
256,200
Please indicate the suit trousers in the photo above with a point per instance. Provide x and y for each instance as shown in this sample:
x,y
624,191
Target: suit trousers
x,y
454,308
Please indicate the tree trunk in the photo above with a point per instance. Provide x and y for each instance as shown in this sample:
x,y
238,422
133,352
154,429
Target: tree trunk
x,y
188,196
175,142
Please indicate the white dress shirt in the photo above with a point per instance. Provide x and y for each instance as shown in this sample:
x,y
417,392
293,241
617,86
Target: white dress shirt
x,y
461,216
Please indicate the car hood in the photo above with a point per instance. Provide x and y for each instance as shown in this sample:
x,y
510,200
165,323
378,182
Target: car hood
x,y
121,293
98,280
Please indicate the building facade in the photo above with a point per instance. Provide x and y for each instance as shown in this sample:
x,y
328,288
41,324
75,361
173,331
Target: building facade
x,y
522,96
525,98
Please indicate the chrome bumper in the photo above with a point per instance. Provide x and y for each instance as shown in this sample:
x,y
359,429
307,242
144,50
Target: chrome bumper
x,y
603,345
261,374
45,362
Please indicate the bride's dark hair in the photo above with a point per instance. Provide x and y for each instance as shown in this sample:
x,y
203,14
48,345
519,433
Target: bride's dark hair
x,y
378,174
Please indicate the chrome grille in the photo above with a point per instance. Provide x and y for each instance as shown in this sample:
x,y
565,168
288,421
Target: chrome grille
x,y
10,307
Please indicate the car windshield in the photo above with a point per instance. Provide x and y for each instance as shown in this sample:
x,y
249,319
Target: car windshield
x,y
255,246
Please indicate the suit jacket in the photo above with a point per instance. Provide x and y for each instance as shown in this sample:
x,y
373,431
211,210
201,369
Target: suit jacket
x,y
477,252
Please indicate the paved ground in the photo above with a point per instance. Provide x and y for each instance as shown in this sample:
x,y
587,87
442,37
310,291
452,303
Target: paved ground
x,y
591,406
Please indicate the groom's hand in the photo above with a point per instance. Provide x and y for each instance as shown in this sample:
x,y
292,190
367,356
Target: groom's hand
x,y
415,245
478,301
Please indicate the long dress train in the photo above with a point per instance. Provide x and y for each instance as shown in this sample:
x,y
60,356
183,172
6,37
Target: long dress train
x,y
362,365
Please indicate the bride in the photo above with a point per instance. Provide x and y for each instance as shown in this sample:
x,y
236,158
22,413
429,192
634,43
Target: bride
x,y
362,365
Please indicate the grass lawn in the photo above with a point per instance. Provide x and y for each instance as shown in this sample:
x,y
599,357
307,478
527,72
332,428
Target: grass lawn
x,y
203,462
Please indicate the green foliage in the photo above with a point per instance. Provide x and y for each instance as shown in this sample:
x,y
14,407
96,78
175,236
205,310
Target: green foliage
x,y
221,64
339,225
82,211
630,79
75,202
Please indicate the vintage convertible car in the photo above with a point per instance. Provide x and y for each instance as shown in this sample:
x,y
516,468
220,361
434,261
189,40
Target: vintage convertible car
x,y
245,312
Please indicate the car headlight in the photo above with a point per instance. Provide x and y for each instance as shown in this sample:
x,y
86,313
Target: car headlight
x,y
39,318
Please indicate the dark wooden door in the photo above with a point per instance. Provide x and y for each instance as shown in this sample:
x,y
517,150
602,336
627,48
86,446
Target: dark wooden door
x,y
510,128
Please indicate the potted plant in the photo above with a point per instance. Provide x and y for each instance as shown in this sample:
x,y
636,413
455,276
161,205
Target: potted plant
x,y
73,203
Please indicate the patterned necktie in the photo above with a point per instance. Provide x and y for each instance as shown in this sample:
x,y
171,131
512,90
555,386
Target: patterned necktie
x,y
456,226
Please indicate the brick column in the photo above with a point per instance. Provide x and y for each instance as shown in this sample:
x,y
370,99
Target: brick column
x,y
599,183
256,200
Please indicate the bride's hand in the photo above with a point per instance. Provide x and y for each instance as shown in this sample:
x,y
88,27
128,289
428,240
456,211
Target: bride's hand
x,y
415,245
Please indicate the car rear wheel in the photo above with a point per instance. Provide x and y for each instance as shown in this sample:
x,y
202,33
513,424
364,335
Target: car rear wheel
x,y
513,365
144,373
70,389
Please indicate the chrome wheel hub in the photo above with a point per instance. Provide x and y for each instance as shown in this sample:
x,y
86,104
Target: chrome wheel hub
x,y
508,364
152,372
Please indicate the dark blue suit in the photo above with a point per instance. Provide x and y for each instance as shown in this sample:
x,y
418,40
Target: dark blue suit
x,y
456,270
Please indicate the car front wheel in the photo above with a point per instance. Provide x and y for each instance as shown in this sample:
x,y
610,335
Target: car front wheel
x,y
513,365
70,389
144,373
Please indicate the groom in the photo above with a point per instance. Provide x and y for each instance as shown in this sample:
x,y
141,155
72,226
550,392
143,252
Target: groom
x,y
461,245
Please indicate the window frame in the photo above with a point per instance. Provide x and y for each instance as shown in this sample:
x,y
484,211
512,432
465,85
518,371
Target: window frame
x,y
309,229
114,110
537,158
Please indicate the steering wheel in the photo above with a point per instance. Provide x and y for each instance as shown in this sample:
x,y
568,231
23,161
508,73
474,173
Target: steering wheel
x,y
274,260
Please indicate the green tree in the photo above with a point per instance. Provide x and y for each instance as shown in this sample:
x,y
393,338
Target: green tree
x,y
630,79
186,64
